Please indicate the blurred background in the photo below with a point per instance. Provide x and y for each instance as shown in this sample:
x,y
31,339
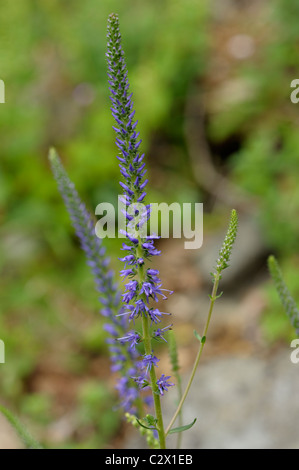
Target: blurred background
x,y
211,83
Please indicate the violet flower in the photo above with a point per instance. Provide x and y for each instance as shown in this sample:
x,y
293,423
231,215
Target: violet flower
x,y
133,337
149,360
163,383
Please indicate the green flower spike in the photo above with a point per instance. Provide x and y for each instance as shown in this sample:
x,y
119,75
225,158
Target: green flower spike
x,y
283,292
226,249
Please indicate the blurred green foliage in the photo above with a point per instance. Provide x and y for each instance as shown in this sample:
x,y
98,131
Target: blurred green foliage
x,y
96,411
266,123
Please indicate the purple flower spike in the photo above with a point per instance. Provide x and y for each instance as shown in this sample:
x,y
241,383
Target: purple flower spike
x,y
144,284
123,358
123,112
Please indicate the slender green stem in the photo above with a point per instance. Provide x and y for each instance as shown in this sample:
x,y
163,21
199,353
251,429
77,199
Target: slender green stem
x,y
147,341
180,393
213,298
154,386
173,354
24,435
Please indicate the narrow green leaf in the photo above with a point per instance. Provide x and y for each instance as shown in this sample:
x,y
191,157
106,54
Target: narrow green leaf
x,y
182,428
24,435
201,339
197,336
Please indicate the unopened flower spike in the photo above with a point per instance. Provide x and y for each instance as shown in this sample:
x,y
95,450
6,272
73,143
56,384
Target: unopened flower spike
x,y
284,294
226,249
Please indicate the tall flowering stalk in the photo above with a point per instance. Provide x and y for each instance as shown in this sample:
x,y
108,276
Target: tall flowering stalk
x,y
143,283
123,357
286,299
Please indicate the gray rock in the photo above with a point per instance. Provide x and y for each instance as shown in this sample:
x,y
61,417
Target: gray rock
x,y
240,403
